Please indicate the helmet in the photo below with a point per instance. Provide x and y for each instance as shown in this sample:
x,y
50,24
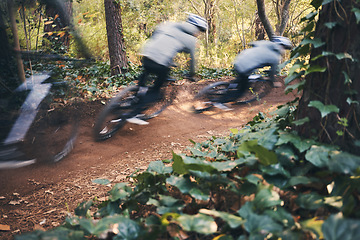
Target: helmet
x,y
198,21
283,41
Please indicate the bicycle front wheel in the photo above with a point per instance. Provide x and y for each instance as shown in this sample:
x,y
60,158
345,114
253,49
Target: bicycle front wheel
x,y
114,115
211,93
257,89
53,132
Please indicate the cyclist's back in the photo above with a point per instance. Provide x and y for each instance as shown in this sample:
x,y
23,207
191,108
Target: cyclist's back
x,y
168,40
263,53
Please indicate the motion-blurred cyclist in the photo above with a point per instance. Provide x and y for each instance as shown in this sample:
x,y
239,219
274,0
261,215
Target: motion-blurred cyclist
x,y
158,53
262,54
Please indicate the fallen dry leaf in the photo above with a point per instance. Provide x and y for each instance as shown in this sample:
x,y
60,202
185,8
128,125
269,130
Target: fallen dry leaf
x,y
4,227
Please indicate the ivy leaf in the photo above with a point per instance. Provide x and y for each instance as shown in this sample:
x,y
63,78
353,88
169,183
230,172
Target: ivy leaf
x,y
336,227
83,209
266,198
281,215
167,204
316,42
292,87
341,56
227,165
197,164
231,219
318,156
199,223
356,11
347,78
119,191
301,121
330,25
159,167
350,101
261,224
324,109
265,156
199,194
125,228
314,224
178,165
310,201
343,162
101,181
183,184
300,144
315,68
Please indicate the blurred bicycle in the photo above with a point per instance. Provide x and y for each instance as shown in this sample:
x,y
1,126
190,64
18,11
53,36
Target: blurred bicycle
x,y
37,124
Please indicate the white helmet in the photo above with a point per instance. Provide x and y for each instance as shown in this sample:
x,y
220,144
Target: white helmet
x,y
283,41
198,21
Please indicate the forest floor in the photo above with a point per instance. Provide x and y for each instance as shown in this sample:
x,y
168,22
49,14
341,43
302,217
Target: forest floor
x,y
42,195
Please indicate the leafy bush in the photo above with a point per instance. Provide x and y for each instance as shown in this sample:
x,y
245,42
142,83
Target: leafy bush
x,y
260,182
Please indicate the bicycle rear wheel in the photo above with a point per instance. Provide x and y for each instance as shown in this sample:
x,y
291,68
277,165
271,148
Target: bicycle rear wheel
x,y
211,93
115,113
258,88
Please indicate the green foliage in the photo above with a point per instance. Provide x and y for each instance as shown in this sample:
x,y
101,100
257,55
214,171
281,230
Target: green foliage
x,y
260,182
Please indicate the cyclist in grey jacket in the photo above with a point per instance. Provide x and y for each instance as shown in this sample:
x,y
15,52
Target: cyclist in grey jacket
x,y
167,40
263,53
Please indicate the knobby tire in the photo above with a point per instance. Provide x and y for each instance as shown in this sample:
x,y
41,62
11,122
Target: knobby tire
x,y
114,115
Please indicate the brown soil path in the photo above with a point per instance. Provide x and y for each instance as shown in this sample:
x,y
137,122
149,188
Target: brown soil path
x,y
40,196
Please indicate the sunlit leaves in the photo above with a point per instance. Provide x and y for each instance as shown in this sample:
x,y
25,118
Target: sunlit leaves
x,y
315,225
198,223
231,219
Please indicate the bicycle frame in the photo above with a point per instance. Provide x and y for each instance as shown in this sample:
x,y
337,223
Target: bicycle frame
x,y
29,109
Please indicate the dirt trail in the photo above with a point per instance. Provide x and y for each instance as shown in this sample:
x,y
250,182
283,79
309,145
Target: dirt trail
x,y
39,196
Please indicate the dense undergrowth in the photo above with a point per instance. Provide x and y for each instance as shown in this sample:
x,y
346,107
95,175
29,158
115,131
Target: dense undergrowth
x,y
260,182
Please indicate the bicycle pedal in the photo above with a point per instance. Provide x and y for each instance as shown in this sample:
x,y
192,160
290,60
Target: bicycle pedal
x,y
222,106
137,121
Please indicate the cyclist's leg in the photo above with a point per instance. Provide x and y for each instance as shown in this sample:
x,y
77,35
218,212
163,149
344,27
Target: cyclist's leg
x,y
243,83
162,74
236,89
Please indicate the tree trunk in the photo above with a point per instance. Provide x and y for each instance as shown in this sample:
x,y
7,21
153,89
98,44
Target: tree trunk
x,y
117,53
259,28
57,28
333,87
282,10
264,19
13,26
210,17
